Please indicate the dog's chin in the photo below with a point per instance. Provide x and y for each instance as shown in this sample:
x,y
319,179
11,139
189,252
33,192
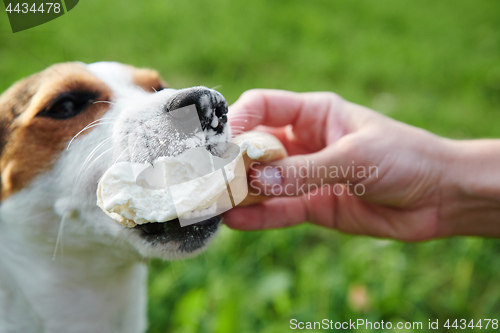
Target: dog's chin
x,y
169,241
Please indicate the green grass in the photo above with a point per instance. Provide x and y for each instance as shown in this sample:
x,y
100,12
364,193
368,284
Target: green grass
x,y
431,64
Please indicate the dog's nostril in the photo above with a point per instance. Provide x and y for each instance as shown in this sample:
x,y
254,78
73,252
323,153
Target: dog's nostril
x,y
220,110
223,119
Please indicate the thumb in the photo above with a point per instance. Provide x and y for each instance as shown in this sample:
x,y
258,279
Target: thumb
x,y
301,174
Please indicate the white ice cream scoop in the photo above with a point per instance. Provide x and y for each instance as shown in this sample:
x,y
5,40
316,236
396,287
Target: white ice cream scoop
x,y
191,186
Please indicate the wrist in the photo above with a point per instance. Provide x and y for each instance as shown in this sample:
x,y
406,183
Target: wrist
x,y
470,188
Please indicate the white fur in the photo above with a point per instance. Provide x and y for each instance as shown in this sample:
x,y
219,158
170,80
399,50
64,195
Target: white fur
x,y
64,265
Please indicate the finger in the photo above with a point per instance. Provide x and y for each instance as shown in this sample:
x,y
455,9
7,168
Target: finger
x,y
278,108
301,174
287,138
275,213
265,107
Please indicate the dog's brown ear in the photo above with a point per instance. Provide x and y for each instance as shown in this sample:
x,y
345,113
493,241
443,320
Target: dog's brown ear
x,y
147,79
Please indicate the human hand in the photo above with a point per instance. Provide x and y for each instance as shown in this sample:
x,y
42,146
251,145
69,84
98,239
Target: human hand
x,y
362,172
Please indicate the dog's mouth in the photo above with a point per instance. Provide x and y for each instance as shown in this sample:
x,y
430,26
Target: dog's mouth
x,y
187,239
171,126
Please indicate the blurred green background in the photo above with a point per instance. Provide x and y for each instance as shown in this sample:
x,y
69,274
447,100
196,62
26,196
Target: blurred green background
x,y
428,63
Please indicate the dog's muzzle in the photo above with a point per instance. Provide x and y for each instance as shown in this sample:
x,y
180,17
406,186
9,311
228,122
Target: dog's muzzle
x,y
167,133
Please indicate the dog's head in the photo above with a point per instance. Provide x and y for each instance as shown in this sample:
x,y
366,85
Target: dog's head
x,y
62,128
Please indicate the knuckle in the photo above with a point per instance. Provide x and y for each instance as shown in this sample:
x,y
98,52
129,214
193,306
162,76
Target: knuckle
x,y
350,146
295,176
252,94
331,97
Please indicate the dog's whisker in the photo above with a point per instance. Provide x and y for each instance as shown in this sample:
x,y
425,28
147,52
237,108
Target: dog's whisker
x,y
243,116
236,134
89,157
59,237
121,154
128,147
137,140
237,129
83,130
95,123
74,192
100,155
131,151
94,151
102,119
216,87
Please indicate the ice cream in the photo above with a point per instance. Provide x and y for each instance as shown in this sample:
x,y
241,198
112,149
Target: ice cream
x,y
184,186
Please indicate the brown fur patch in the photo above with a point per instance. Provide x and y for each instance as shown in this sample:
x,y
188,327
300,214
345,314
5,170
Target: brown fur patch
x,y
30,145
147,79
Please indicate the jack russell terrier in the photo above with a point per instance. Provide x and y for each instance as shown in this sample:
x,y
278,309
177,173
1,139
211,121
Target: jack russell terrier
x,y
65,266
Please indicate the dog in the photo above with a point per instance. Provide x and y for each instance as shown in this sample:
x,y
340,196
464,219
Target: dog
x,y
65,266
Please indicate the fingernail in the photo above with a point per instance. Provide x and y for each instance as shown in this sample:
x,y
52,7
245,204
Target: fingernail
x,y
269,176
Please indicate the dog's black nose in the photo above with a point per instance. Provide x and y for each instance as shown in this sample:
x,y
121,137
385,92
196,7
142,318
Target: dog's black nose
x,y
210,105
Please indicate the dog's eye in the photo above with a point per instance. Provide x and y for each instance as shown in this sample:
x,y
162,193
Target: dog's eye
x,y
68,105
